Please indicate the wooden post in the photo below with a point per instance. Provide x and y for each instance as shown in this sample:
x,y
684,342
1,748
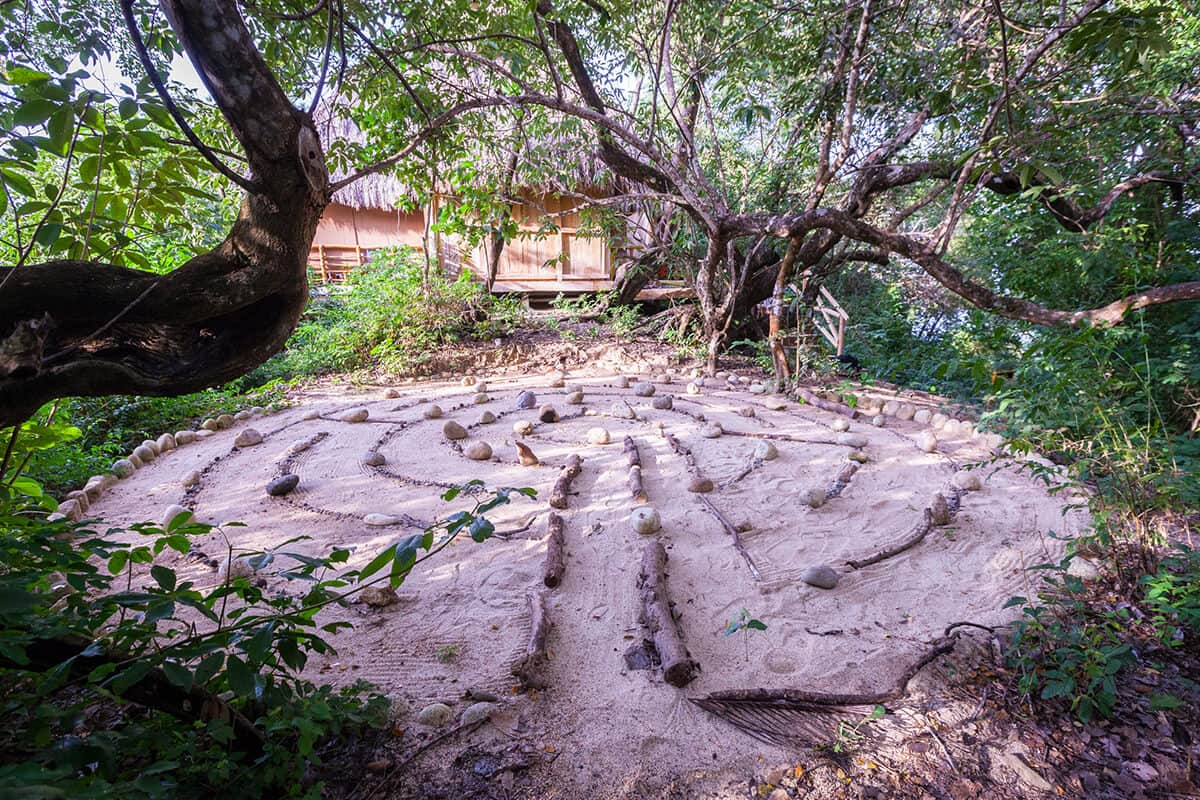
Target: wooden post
x,y
841,334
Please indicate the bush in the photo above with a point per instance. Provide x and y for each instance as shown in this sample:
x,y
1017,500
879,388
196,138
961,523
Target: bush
x,y
393,313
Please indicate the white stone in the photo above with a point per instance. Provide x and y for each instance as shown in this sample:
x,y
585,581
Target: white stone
x,y
765,451
381,520
191,479
171,513
622,382
938,420
927,441
480,387
237,568
184,437
523,427
966,480
355,415
311,414
923,416
487,418
758,388
906,411
1083,569
841,425
598,436
645,520
557,382
248,438
433,412
879,421
481,398
204,433
852,439
574,399
693,388
478,451
435,715
242,415
890,408
712,431
622,411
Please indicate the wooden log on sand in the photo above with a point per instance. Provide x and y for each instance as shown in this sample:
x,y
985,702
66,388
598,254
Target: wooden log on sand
x,y
531,667
555,566
635,471
826,405
677,664
562,486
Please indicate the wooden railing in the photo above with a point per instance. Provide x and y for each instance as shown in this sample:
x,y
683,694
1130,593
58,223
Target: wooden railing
x,y
332,263
829,318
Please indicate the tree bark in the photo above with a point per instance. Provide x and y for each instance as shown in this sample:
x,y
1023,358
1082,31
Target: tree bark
x,y
677,664
555,566
115,330
531,667
562,486
778,356
636,490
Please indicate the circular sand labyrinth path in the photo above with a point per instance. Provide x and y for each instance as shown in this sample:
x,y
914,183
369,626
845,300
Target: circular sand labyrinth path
x,y
462,619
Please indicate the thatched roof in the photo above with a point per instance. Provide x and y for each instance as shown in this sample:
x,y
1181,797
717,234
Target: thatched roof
x,y
572,164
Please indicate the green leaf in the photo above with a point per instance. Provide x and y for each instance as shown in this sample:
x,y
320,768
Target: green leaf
x,y
34,112
178,675
756,625
209,666
19,76
130,676
240,676
118,561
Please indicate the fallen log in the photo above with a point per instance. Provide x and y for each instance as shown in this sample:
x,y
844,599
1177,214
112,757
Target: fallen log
x,y
562,486
555,566
826,405
732,530
920,532
843,479
678,667
636,490
531,667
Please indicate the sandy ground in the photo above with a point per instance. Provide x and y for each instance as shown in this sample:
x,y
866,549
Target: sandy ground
x,y
600,729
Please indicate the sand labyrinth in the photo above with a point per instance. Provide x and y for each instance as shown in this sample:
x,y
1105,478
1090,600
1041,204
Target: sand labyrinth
x,y
463,618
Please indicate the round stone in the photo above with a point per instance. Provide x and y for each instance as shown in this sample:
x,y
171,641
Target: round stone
x,y
663,402
191,479
165,443
204,433
242,415
481,398
890,408
548,414
598,436
574,399
841,425
1083,569
906,411
523,427
966,480
381,520
184,437
765,451
225,422
487,418
813,498
939,510
852,439
355,415
476,712
622,411
374,458
282,485
433,412
237,568
643,389
858,455
712,431
758,388
209,424
526,400
621,382
311,414
938,420
480,387
645,520
922,416
927,441
435,715
378,596
391,394
693,388
700,486
746,411
123,468
248,438
452,430
153,445
171,513
257,410
823,577
478,451
879,420
144,453
137,462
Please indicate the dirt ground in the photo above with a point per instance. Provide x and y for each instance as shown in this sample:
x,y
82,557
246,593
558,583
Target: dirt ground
x,y
599,728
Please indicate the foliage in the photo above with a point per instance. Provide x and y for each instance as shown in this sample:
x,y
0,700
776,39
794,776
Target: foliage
x,y
114,592
1064,649
745,623
1173,595
394,313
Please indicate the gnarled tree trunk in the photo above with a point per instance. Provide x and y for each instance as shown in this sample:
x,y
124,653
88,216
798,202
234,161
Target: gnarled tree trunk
x,y
104,329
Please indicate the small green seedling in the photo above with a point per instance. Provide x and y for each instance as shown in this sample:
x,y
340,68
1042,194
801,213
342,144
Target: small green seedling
x,y
848,735
447,653
745,623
